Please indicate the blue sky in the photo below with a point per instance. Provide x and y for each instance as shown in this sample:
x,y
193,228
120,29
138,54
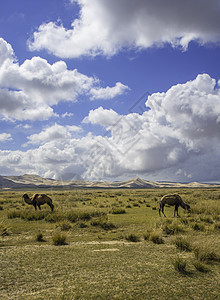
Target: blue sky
x,y
110,90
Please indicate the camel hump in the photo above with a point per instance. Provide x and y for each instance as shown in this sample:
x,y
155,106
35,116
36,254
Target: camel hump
x,y
34,197
45,196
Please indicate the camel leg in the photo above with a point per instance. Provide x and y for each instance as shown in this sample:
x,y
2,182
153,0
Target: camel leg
x,y
163,210
35,206
176,210
39,207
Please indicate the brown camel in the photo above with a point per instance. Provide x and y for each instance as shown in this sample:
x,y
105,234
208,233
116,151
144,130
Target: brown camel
x,y
172,200
38,200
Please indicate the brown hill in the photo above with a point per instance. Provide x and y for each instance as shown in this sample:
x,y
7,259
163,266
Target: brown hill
x,y
35,181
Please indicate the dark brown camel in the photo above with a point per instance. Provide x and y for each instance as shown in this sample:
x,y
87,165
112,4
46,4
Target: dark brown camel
x,y
172,200
38,200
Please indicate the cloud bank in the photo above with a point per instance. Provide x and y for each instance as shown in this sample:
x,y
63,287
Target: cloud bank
x,y
30,90
176,138
107,27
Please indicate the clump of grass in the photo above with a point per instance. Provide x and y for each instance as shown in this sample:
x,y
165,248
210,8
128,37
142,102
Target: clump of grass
x,y
40,237
59,239
200,266
198,227
205,253
117,211
182,244
172,228
14,214
179,264
65,226
156,237
103,223
82,225
3,230
108,226
184,221
217,226
206,219
147,235
132,238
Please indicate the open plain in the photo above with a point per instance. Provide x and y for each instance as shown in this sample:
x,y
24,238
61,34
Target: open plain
x,y
110,244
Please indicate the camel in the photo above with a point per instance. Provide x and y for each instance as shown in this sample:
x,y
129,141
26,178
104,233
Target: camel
x,y
38,200
172,200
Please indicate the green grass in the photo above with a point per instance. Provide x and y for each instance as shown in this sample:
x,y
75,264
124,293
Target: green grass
x,y
90,252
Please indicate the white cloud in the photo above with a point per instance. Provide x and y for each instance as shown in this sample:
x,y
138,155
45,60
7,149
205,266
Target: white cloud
x,y
177,139
106,27
5,137
66,114
55,132
108,92
101,116
28,91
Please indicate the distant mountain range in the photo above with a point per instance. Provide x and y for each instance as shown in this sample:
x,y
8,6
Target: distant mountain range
x,y
28,181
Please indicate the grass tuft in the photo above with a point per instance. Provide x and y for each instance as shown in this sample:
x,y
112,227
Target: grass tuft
x,y
156,237
182,244
201,267
179,264
59,239
205,253
40,237
132,238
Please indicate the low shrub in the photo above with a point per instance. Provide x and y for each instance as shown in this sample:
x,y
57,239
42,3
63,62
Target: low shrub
x,y
201,267
82,225
108,226
179,264
182,244
39,237
65,226
117,211
184,221
206,219
132,238
217,226
59,239
198,227
3,230
173,228
205,253
156,238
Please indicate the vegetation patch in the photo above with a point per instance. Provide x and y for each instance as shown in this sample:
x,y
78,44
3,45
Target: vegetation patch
x,y
206,253
40,237
179,264
156,237
118,211
59,239
182,244
200,266
132,238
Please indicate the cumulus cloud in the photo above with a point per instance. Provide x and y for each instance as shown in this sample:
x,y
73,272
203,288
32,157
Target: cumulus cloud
x,y
101,116
5,137
28,91
108,92
106,27
177,138
55,132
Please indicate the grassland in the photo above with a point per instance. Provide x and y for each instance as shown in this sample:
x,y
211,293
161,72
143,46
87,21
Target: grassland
x,y
110,244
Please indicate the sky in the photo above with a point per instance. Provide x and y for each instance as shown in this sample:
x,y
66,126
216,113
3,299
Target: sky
x,y
110,90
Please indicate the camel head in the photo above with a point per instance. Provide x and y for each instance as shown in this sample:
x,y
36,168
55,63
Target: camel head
x,y
27,199
187,206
